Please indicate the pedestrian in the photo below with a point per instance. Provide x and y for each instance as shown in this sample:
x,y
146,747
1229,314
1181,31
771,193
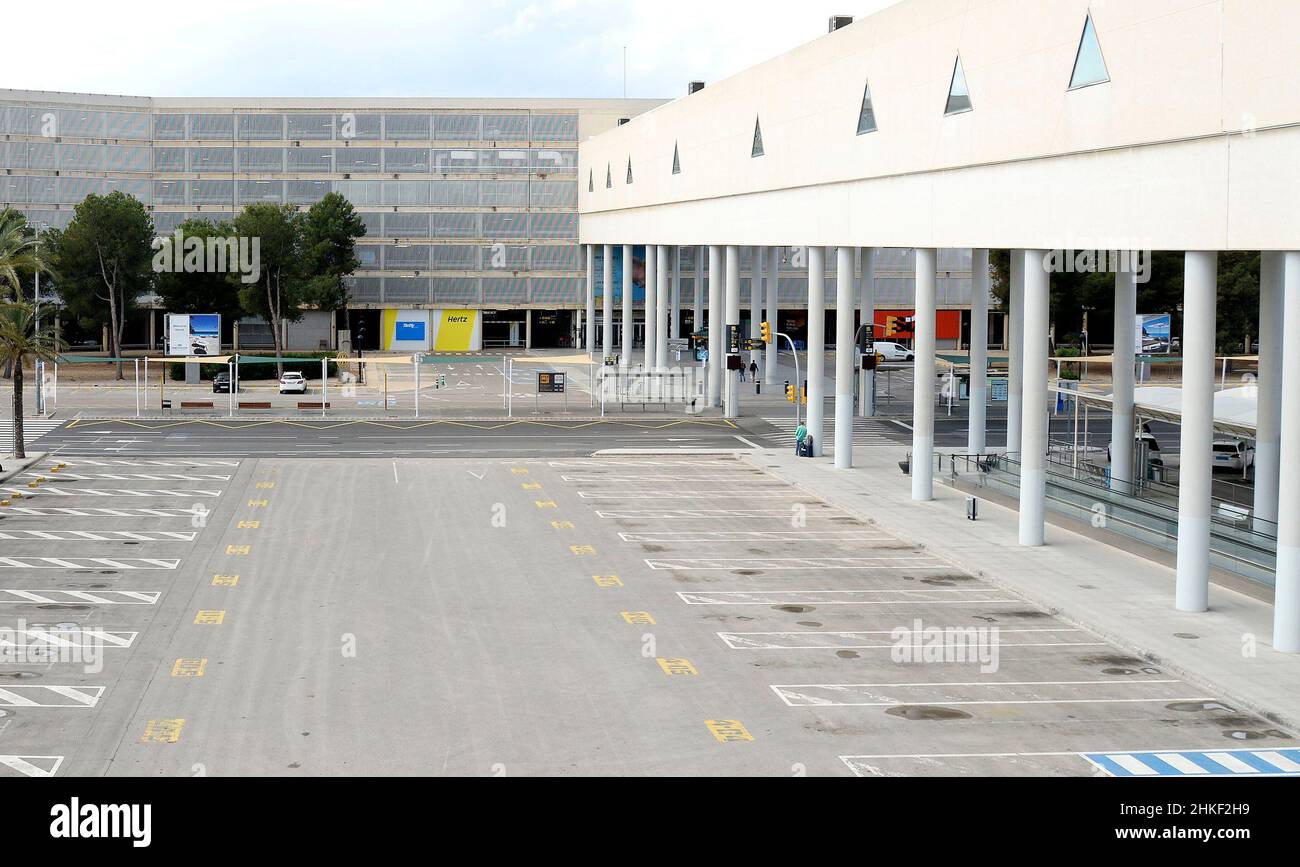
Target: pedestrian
x,y
742,371
753,369
800,434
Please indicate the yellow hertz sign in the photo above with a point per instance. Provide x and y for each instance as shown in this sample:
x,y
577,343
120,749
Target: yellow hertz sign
x,y
444,330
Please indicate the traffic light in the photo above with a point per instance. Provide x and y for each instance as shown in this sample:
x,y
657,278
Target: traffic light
x,y
765,331
891,326
789,392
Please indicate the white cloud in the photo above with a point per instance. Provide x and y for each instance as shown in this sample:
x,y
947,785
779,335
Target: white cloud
x,y
559,48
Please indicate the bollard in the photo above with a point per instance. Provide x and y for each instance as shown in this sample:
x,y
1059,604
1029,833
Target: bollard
x,y
972,508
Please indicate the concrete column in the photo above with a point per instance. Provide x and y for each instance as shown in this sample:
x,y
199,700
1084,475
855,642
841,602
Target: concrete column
x,y
701,257
816,346
845,354
1286,599
528,329
732,387
661,308
773,315
675,312
1268,419
629,314
607,305
717,329
1016,359
756,261
977,428
591,300
1196,459
923,386
1122,422
651,299
1035,322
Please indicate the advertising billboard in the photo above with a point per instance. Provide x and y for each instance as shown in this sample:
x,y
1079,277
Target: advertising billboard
x,y
1154,335
193,334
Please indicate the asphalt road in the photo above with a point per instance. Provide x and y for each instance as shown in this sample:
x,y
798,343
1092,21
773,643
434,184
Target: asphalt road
x,y
570,616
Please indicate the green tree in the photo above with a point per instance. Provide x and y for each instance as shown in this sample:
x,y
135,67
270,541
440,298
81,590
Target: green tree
x,y
201,290
330,233
281,289
19,253
105,257
20,339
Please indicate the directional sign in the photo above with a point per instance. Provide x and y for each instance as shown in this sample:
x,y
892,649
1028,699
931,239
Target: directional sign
x,y
550,383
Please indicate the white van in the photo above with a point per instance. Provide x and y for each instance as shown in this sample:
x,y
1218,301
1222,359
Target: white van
x,y
1233,454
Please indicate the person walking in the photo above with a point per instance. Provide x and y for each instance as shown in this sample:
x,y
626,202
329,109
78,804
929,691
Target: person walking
x,y
753,370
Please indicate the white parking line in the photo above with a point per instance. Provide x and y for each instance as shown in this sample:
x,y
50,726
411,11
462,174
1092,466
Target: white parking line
x,y
33,766
861,640
60,512
86,563
98,535
132,477
960,693
799,563
50,696
114,492
89,462
650,494
937,596
706,514
9,596
756,536
89,636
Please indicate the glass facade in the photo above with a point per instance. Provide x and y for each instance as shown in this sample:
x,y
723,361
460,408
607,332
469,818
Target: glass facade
x,y
461,206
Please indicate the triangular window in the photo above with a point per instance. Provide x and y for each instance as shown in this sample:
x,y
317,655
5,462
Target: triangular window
x,y
677,160
757,150
609,178
1089,65
867,116
958,92
629,170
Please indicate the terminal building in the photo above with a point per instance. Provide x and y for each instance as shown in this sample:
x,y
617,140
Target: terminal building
x,y
470,206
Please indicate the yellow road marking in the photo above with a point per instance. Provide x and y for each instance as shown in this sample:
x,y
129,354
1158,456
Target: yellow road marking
x,y
266,485
638,617
225,580
546,504
209,618
676,666
162,731
189,667
562,525
728,730
258,504
607,580
238,550
249,525
583,550
531,486
519,471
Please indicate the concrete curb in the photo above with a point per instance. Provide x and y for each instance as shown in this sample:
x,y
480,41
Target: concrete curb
x,y
1121,641
14,466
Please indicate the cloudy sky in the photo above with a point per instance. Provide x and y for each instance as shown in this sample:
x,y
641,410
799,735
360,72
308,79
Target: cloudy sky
x,y
551,48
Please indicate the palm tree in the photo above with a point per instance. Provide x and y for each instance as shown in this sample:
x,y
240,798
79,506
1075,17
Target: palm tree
x,y
19,253
20,339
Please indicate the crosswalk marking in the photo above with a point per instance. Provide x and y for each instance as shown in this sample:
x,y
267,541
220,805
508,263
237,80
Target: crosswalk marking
x,y
1200,763
9,596
86,563
32,766
59,511
114,492
867,432
33,429
136,477
50,696
98,535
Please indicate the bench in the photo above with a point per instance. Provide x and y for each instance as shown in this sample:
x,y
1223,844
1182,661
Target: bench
x,y
254,404
313,404
196,404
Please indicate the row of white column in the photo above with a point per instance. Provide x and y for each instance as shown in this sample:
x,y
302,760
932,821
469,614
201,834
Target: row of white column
x,y
1028,410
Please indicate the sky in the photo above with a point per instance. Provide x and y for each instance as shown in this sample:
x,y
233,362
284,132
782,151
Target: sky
x,y
453,48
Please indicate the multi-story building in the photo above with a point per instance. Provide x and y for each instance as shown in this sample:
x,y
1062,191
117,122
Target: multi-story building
x,y
469,205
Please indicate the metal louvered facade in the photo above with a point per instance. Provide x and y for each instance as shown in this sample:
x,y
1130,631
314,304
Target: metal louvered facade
x,y
465,202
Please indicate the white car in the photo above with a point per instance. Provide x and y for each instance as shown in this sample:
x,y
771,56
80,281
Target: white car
x,y
293,383
894,352
1233,454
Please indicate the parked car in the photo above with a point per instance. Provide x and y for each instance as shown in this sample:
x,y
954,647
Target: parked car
x,y
293,383
1233,454
894,352
221,383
